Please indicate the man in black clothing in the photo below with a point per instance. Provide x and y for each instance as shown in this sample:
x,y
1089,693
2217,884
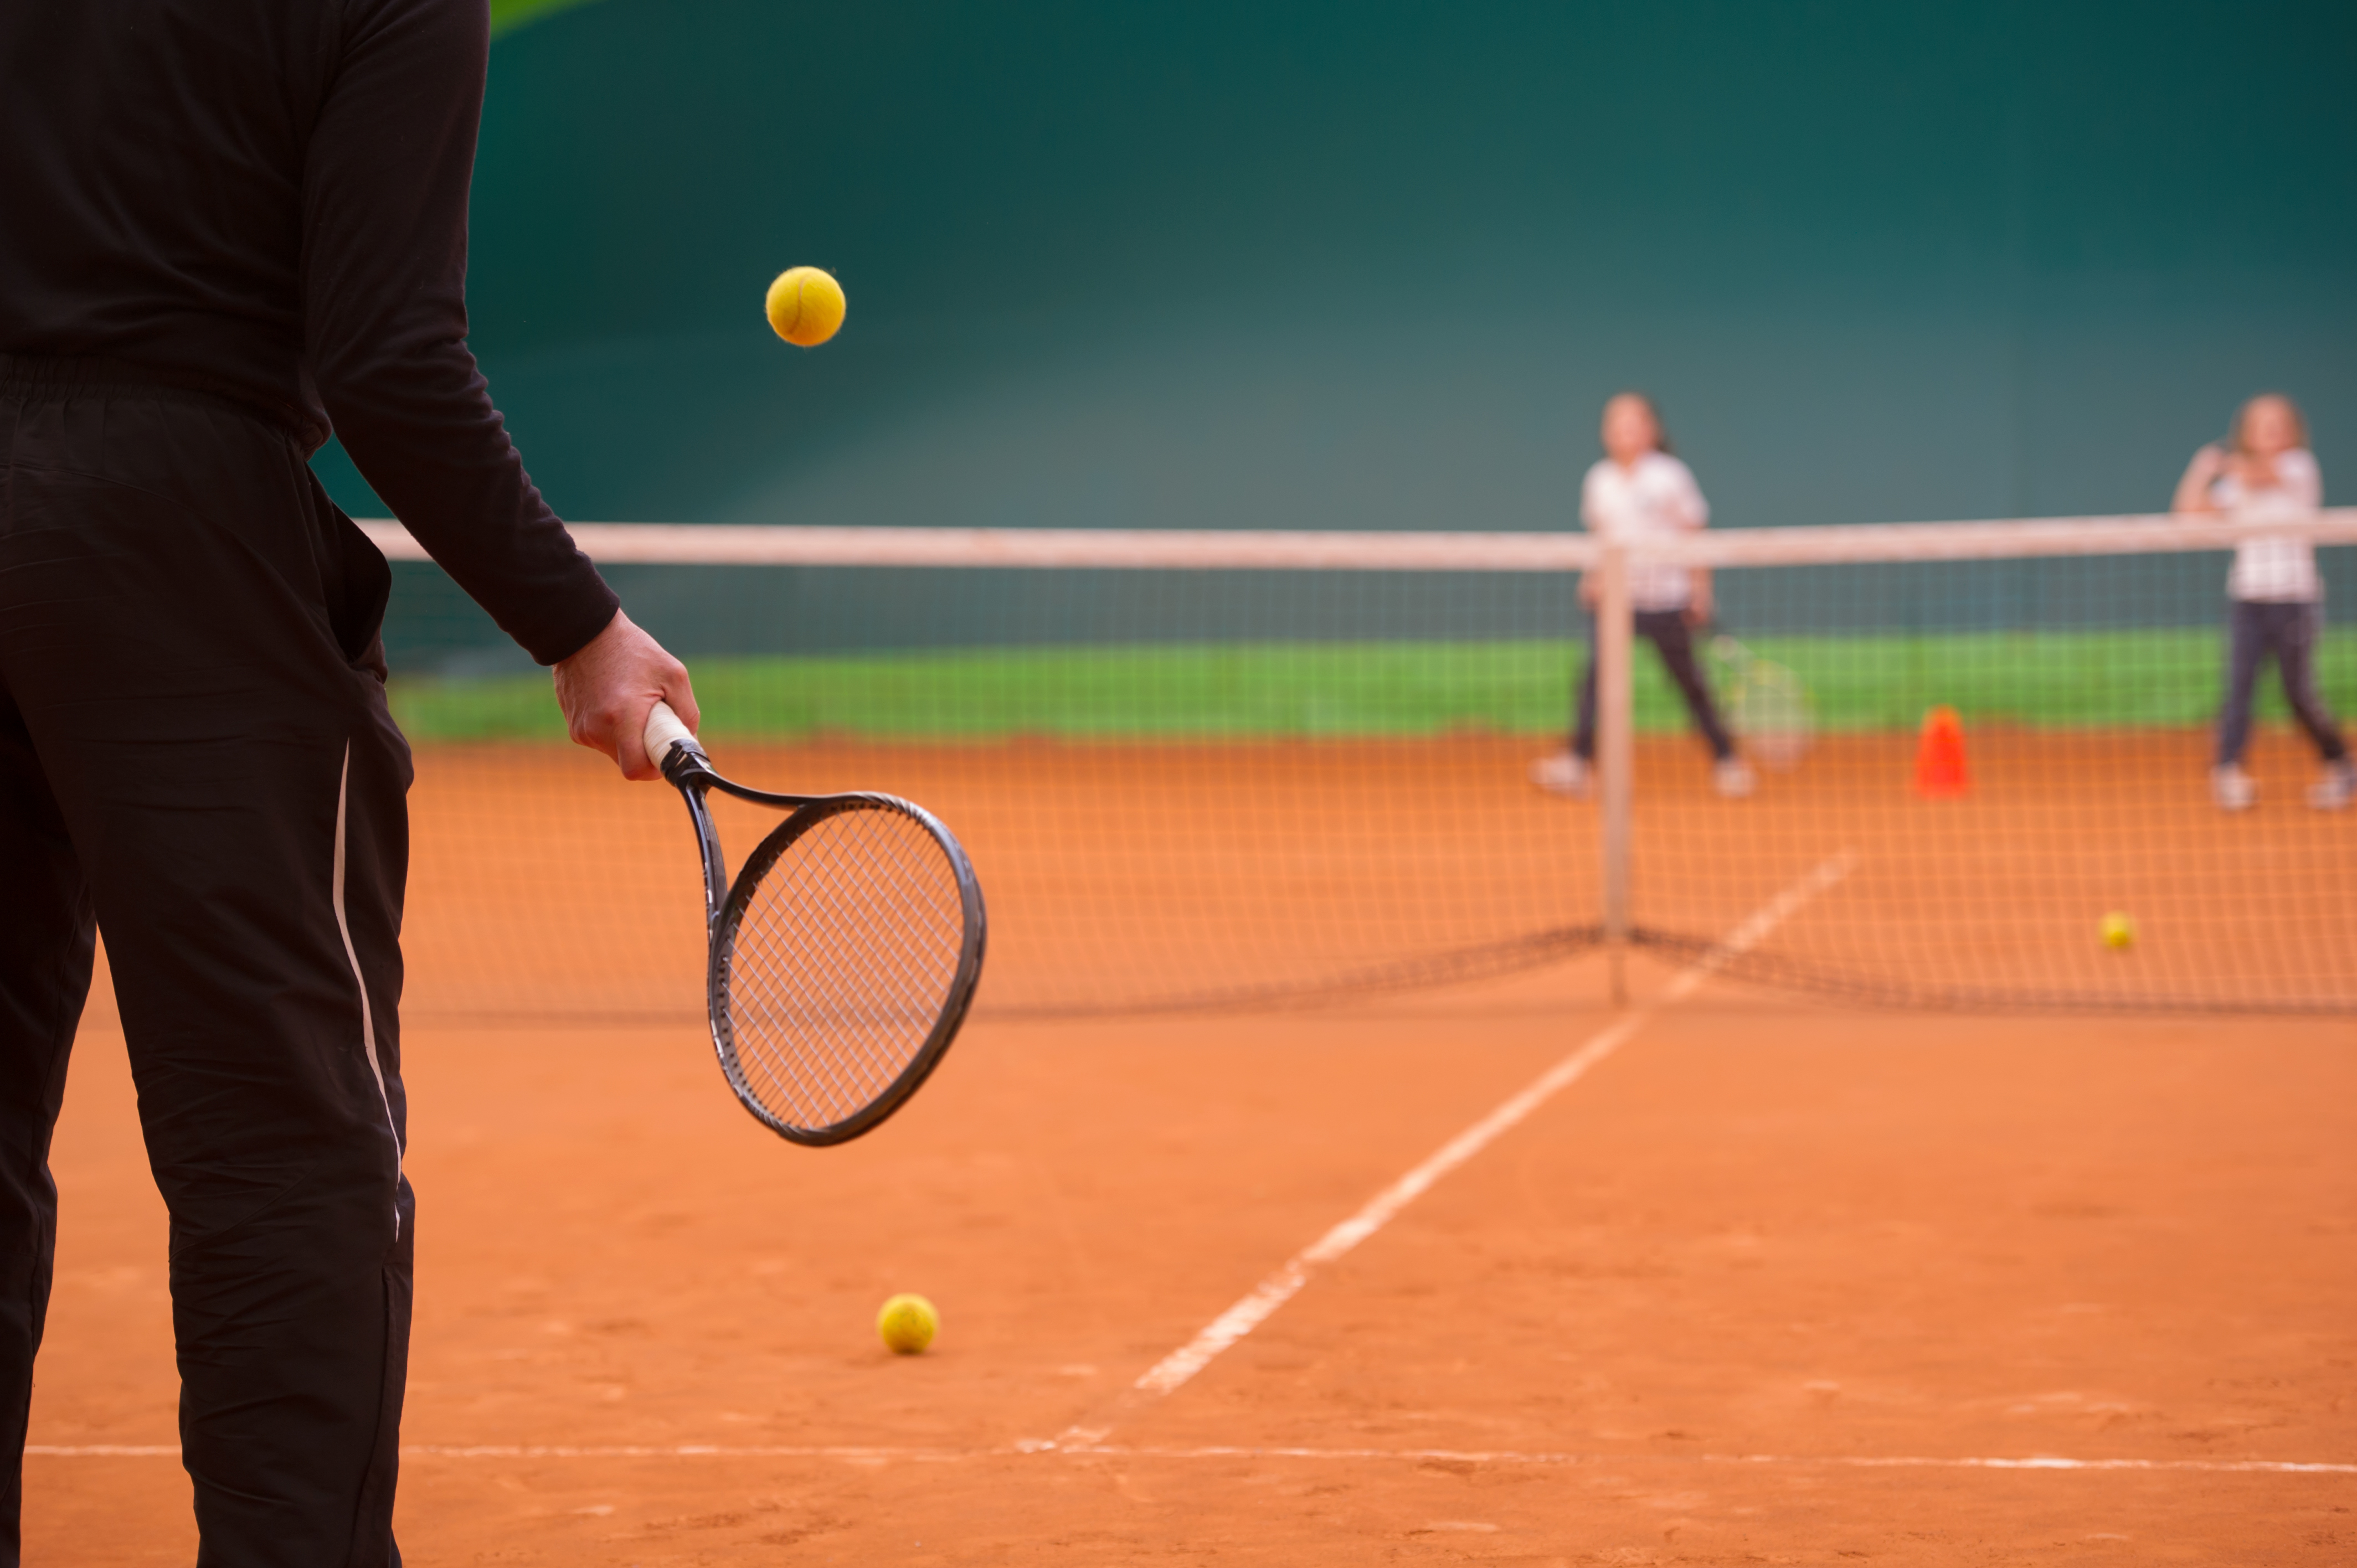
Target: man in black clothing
x,y
231,226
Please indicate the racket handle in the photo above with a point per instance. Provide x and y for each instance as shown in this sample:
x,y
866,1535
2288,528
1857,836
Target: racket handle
x,y
664,731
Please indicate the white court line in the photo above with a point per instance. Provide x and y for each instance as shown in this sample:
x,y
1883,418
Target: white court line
x,y
1846,1461
1218,1451
1336,1242
1173,1370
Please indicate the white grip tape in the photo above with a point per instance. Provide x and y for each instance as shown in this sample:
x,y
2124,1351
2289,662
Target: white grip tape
x,y
665,730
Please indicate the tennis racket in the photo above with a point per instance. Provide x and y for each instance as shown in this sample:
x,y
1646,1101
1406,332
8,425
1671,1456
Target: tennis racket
x,y
1766,704
845,952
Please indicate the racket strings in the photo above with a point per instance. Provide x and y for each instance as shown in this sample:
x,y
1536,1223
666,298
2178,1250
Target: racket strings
x,y
823,1048
1766,705
840,964
786,1010
1770,710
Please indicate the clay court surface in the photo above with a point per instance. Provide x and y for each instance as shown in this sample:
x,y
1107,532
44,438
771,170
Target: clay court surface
x,y
1125,874
1762,1286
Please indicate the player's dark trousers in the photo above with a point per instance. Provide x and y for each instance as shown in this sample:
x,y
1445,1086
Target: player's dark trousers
x,y
2288,633
1670,634
195,754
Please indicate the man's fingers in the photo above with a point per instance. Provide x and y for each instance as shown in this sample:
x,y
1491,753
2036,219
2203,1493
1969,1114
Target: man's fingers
x,y
611,731
631,755
609,686
625,740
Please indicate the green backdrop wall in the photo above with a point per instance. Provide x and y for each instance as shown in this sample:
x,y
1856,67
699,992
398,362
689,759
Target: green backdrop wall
x,y
1375,265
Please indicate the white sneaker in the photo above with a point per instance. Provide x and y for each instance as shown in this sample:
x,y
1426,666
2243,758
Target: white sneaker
x,y
2336,790
1563,773
1733,779
2233,789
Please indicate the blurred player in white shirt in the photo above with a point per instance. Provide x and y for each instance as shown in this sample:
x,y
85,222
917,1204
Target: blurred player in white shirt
x,y
2265,472
1638,492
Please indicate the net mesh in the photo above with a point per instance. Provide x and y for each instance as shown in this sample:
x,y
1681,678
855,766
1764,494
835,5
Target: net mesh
x,y
1186,787
838,963
2074,784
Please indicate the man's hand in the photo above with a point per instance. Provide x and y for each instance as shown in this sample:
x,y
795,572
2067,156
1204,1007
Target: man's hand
x,y
607,689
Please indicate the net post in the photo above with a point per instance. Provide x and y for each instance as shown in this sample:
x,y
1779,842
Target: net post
x,y
1615,754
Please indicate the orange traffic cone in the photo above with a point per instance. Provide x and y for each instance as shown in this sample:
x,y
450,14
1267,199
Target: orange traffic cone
x,y
1940,772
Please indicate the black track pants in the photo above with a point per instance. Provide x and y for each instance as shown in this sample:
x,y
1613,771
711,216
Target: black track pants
x,y
2287,632
1671,636
195,752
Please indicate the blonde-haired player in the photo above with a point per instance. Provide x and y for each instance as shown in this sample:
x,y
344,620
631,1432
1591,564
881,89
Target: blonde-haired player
x,y
1641,491
2266,473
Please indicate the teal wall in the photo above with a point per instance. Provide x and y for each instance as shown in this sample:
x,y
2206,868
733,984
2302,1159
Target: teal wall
x,y
1375,265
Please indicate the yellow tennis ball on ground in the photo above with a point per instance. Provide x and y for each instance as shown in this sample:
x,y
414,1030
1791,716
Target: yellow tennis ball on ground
x,y
806,306
907,1323
2119,931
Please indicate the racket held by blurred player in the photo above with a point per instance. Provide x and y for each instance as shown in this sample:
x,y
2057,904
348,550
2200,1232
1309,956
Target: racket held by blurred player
x,y
1766,704
844,953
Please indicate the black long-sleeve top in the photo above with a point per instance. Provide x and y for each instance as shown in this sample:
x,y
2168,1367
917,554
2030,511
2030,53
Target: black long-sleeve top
x,y
266,199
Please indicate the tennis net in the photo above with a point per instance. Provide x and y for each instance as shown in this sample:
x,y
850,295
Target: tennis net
x,y
1225,768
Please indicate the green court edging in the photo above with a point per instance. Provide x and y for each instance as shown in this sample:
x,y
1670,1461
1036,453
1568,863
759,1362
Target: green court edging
x,y
2048,680
509,15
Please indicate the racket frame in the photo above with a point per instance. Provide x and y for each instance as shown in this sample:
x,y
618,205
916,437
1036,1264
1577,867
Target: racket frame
x,y
1750,672
690,770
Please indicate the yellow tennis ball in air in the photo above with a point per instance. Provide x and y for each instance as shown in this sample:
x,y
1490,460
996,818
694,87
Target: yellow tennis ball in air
x,y
806,306
907,1323
2119,931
